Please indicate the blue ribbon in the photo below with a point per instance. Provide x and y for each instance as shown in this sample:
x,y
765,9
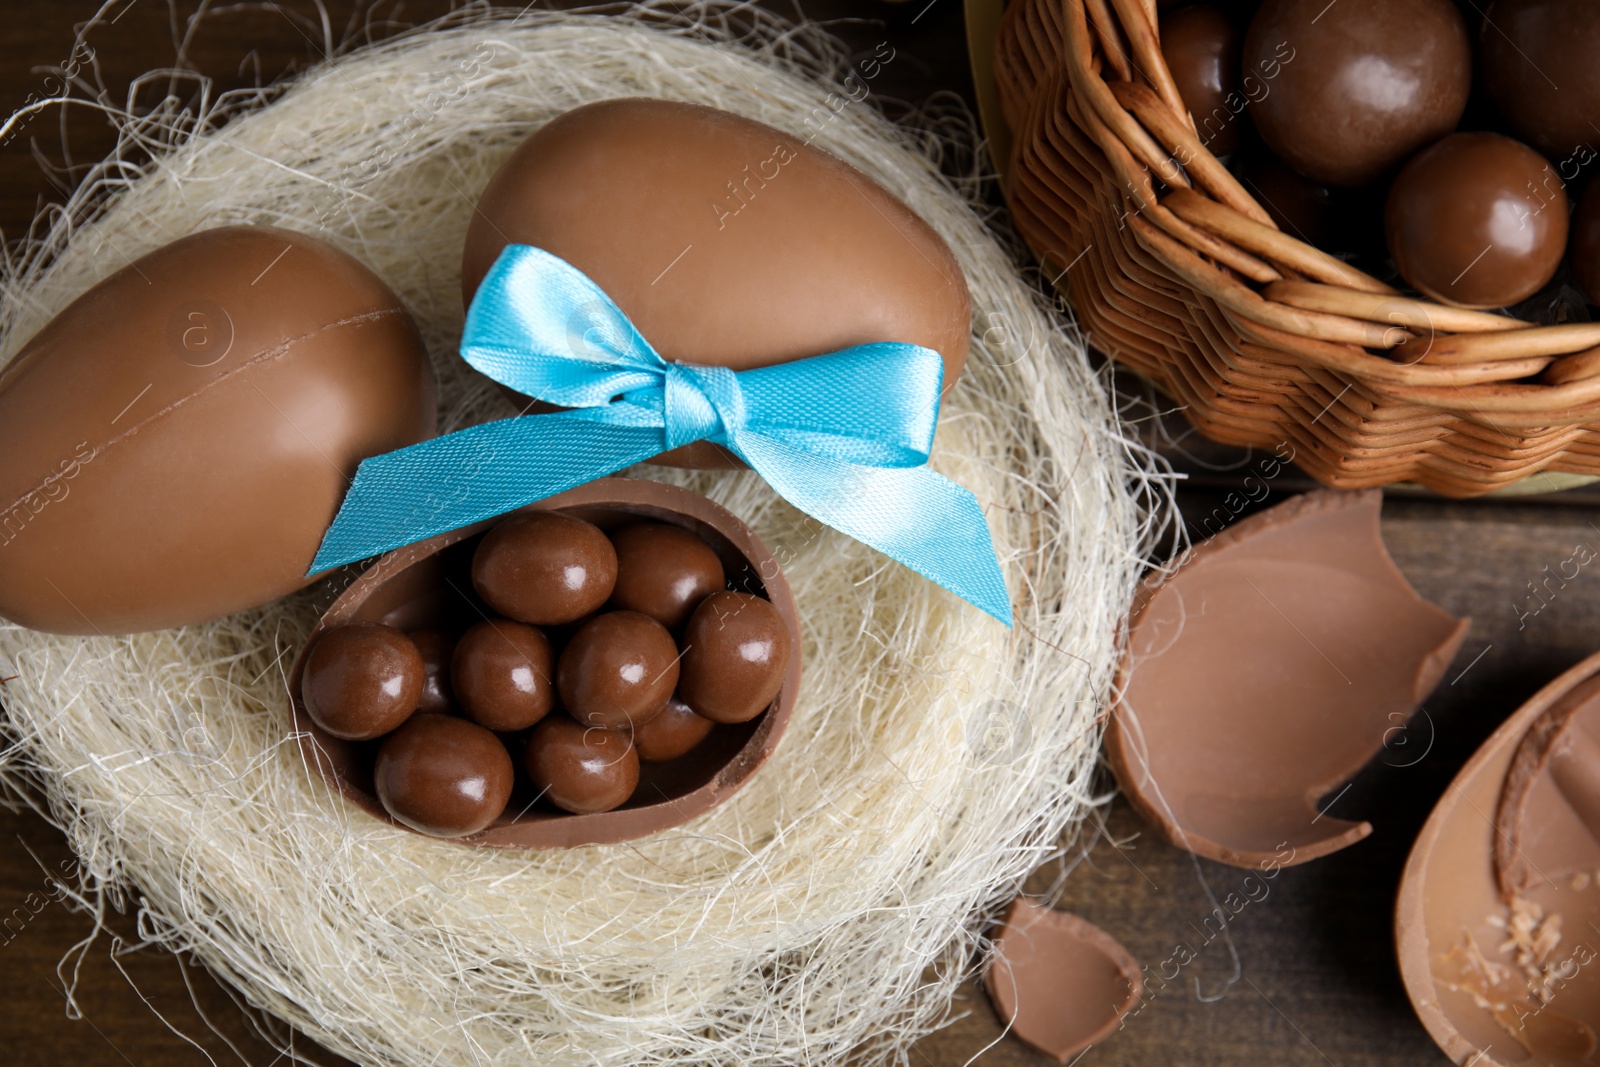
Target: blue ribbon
x,y
843,436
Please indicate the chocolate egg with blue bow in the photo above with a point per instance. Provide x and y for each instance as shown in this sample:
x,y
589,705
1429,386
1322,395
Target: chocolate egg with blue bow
x,y
726,242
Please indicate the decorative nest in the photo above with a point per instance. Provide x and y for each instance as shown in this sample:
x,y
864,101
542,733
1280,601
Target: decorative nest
x,y
1175,270
826,911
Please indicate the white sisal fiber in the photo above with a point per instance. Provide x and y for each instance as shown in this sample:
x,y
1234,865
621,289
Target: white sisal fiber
x,y
824,913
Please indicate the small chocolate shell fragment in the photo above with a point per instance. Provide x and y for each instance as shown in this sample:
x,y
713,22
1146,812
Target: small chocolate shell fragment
x,y
1061,983
1265,672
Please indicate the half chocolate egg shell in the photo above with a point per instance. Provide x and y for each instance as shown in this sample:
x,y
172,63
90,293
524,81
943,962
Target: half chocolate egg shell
x,y
428,586
1264,671
1497,923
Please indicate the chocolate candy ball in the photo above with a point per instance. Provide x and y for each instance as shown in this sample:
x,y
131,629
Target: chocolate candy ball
x,y
1539,67
1583,252
1477,220
618,670
436,648
543,568
581,769
1299,206
1201,47
443,776
670,734
503,675
663,571
362,680
735,650
1348,90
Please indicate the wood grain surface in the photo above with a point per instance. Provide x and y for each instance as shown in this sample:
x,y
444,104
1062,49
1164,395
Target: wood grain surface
x,y
1305,976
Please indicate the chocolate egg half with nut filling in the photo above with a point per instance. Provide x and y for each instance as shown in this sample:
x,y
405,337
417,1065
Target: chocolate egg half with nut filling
x,y
726,242
174,444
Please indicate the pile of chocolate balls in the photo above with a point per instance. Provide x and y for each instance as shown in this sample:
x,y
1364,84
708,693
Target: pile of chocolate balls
x,y
1464,128
592,653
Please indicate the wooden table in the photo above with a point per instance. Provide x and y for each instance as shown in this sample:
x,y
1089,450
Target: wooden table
x,y
1305,976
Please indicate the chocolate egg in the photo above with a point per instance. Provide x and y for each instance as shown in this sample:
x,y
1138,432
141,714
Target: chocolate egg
x,y
362,680
670,734
735,649
174,444
618,670
663,571
443,776
545,569
1477,220
1538,63
1583,249
436,648
502,673
1350,89
1201,48
581,769
725,241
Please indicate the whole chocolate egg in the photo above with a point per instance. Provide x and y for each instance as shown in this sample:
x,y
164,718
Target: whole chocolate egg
x,y
664,571
174,444
1477,220
544,568
1583,250
362,680
436,648
1538,63
503,673
581,769
673,732
1350,89
735,649
725,241
618,670
1201,47
443,776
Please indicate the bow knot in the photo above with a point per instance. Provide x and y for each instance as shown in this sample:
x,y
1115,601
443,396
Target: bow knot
x,y
700,403
843,436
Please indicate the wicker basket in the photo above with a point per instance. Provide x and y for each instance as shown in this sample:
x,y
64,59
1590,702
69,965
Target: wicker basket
x,y
1177,272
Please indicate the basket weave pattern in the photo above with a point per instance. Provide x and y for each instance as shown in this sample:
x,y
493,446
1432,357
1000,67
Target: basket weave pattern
x,y
1177,272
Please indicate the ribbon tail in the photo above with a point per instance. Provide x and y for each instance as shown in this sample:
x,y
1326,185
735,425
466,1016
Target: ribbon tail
x,y
448,482
913,515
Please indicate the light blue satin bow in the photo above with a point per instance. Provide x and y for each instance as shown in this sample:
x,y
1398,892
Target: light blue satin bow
x,y
843,436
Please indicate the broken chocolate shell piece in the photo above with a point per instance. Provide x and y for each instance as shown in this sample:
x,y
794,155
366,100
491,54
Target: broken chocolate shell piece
x,y
1263,671
1059,982
1549,813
